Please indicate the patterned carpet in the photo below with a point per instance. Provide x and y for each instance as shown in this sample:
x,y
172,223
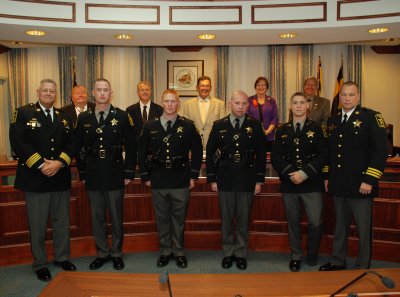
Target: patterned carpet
x,y
20,281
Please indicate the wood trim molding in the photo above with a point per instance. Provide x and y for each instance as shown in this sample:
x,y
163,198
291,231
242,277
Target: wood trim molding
x,y
90,5
386,49
272,6
71,4
177,49
371,16
237,22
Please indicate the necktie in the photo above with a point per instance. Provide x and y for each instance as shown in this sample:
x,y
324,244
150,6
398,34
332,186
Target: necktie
x,y
344,121
237,125
169,127
80,109
101,119
49,120
298,128
203,110
144,116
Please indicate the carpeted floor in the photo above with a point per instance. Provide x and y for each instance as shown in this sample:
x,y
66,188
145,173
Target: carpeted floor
x,y
20,281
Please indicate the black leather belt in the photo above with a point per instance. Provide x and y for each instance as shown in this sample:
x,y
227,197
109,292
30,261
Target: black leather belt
x,y
175,162
106,154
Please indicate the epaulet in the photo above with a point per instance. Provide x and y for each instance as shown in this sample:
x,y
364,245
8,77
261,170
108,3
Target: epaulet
x,y
249,118
225,119
27,106
184,119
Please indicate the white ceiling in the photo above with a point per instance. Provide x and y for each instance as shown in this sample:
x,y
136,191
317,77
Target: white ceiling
x,y
82,33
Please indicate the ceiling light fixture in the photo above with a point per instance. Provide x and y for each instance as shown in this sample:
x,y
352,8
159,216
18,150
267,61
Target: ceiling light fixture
x,y
123,36
287,35
17,42
378,30
206,36
35,33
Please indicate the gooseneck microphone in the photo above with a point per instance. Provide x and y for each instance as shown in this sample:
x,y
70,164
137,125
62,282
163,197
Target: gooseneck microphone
x,y
164,278
388,282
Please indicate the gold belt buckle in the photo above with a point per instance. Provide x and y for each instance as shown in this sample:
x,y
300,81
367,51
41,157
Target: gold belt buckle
x,y
168,164
102,154
236,157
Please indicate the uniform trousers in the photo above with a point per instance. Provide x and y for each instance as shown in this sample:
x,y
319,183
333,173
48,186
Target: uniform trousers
x,y
100,201
361,210
39,206
170,207
235,206
313,203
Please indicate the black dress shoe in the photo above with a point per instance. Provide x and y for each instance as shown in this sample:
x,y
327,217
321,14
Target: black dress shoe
x,y
294,265
43,274
331,267
181,261
227,262
241,263
98,262
66,265
163,260
118,263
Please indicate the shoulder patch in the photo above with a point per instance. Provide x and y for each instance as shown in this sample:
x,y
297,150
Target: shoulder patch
x,y
14,117
380,121
130,120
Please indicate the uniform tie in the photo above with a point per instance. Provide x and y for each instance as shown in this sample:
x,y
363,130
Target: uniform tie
x,y
101,119
298,128
49,120
237,125
169,127
344,121
144,114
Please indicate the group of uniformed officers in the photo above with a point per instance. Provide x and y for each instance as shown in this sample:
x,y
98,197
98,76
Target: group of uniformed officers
x,y
347,159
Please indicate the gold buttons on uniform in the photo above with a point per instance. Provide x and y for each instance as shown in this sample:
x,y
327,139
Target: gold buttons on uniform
x,y
339,155
52,149
167,151
101,138
297,150
339,165
339,145
340,135
52,140
167,157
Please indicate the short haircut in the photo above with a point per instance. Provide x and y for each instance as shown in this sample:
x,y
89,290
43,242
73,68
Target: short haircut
x,y
143,82
101,80
349,84
298,94
47,80
170,91
260,78
204,77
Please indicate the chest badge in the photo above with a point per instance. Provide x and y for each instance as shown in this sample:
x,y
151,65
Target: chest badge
x,y
114,122
357,123
99,131
179,129
249,130
236,136
65,122
310,134
296,141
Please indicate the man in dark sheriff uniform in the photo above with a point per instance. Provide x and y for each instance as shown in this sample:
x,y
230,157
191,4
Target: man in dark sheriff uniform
x,y
144,110
106,162
299,155
357,158
41,137
236,170
164,149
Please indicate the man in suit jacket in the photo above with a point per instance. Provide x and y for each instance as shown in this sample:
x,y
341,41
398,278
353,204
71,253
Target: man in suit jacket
x,y
319,107
145,110
42,137
79,103
203,110
357,158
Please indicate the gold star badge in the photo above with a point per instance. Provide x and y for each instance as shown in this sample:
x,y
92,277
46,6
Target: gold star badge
x,y
310,134
179,129
357,123
114,122
249,129
65,122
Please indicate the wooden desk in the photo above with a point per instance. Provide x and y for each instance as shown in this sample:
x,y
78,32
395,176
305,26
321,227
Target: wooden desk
x,y
101,284
282,284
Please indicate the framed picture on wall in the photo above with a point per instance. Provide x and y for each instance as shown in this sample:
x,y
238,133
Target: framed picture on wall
x,y
182,76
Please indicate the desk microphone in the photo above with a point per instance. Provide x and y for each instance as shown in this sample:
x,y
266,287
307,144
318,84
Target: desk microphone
x,y
388,282
164,278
